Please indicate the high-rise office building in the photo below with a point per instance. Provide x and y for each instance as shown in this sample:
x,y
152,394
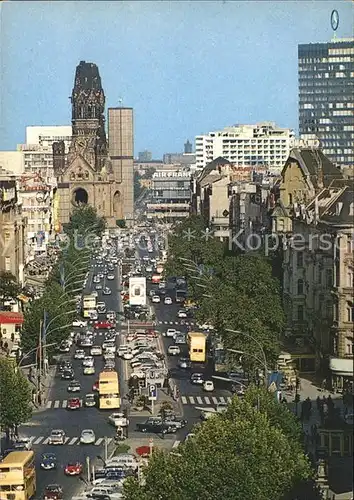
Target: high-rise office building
x,y
326,97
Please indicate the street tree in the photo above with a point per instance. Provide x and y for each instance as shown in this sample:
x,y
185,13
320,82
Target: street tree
x,y
9,288
15,396
85,219
239,454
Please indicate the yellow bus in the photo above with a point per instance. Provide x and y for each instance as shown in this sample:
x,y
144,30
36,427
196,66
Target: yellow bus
x,y
18,476
108,390
197,346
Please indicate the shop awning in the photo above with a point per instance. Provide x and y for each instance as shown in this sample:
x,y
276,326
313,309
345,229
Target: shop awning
x,y
11,318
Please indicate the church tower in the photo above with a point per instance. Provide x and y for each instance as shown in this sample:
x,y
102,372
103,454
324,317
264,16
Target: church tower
x,y
88,122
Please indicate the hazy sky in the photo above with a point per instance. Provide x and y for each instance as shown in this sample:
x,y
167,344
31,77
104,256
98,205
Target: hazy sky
x,y
186,67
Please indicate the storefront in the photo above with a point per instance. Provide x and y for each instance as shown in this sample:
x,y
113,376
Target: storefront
x,y
341,374
10,325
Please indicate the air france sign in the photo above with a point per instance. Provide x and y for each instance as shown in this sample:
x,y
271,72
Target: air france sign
x,y
137,291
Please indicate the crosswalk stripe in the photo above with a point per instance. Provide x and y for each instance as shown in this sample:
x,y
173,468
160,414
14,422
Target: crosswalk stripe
x,y
207,400
215,401
199,400
72,441
46,441
176,444
184,400
222,399
67,440
56,404
38,440
109,440
99,441
191,399
49,404
64,403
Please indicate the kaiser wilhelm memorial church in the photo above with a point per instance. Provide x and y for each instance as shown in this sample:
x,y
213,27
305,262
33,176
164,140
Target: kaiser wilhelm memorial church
x,y
96,171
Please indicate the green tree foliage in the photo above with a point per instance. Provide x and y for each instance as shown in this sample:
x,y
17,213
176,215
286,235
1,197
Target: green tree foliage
x,y
59,307
235,292
247,452
84,219
9,288
15,395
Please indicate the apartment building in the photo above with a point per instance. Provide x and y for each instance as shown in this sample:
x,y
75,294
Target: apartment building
x,y
12,227
38,149
326,91
263,144
170,194
318,284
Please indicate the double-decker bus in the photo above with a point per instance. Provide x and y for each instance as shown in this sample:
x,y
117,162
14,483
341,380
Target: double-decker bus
x,y
108,390
197,346
18,476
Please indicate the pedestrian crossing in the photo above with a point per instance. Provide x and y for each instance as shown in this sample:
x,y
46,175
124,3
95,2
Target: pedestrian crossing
x,y
69,441
57,404
205,400
181,322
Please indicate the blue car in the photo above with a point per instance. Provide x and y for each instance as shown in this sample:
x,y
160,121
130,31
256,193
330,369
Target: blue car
x,y
48,461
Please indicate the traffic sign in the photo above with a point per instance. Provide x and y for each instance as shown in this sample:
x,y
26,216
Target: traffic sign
x,y
152,392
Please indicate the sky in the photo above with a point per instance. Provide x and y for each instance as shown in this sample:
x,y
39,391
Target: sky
x,y
186,67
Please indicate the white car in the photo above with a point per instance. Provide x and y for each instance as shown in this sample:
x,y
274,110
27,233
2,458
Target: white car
x,y
79,323
108,355
96,350
89,370
170,332
88,361
173,350
79,354
118,419
182,313
110,277
128,355
156,299
208,386
87,437
168,301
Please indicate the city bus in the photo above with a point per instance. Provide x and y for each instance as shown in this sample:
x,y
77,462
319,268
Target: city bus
x,y
197,346
18,476
108,390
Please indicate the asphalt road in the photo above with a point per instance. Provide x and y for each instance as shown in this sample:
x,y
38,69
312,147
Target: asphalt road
x,y
72,422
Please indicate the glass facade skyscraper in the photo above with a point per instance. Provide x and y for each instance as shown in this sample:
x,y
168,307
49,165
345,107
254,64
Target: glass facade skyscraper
x,y
326,97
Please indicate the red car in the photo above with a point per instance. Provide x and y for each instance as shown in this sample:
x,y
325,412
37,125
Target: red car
x,y
95,386
73,469
104,325
74,404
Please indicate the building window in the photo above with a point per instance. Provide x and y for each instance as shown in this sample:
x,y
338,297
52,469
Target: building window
x,y
349,346
300,287
7,264
350,279
329,278
299,259
300,313
350,312
290,199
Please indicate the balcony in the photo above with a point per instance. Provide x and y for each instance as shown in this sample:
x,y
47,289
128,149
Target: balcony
x,y
341,366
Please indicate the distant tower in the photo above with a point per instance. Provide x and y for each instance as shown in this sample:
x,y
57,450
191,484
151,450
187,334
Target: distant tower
x,y
188,147
88,122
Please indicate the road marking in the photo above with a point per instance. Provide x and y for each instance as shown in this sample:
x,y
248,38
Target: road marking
x,y
191,399
184,400
176,444
199,400
215,400
49,404
99,441
46,441
37,440
64,403
67,440
222,399
56,404
207,400
72,441
109,440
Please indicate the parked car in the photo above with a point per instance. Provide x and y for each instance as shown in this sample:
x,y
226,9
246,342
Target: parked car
x,y
156,426
79,323
118,420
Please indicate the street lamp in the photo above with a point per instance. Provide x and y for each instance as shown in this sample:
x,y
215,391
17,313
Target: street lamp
x,y
256,341
254,357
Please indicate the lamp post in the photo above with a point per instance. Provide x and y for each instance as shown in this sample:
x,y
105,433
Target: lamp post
x,y
254,357
64,279
248,335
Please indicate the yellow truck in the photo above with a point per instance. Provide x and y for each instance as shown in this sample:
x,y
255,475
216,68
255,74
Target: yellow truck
x,y
197,346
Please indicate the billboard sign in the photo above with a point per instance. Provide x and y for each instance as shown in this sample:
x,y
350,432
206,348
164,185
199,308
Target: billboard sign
x,y
137,291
